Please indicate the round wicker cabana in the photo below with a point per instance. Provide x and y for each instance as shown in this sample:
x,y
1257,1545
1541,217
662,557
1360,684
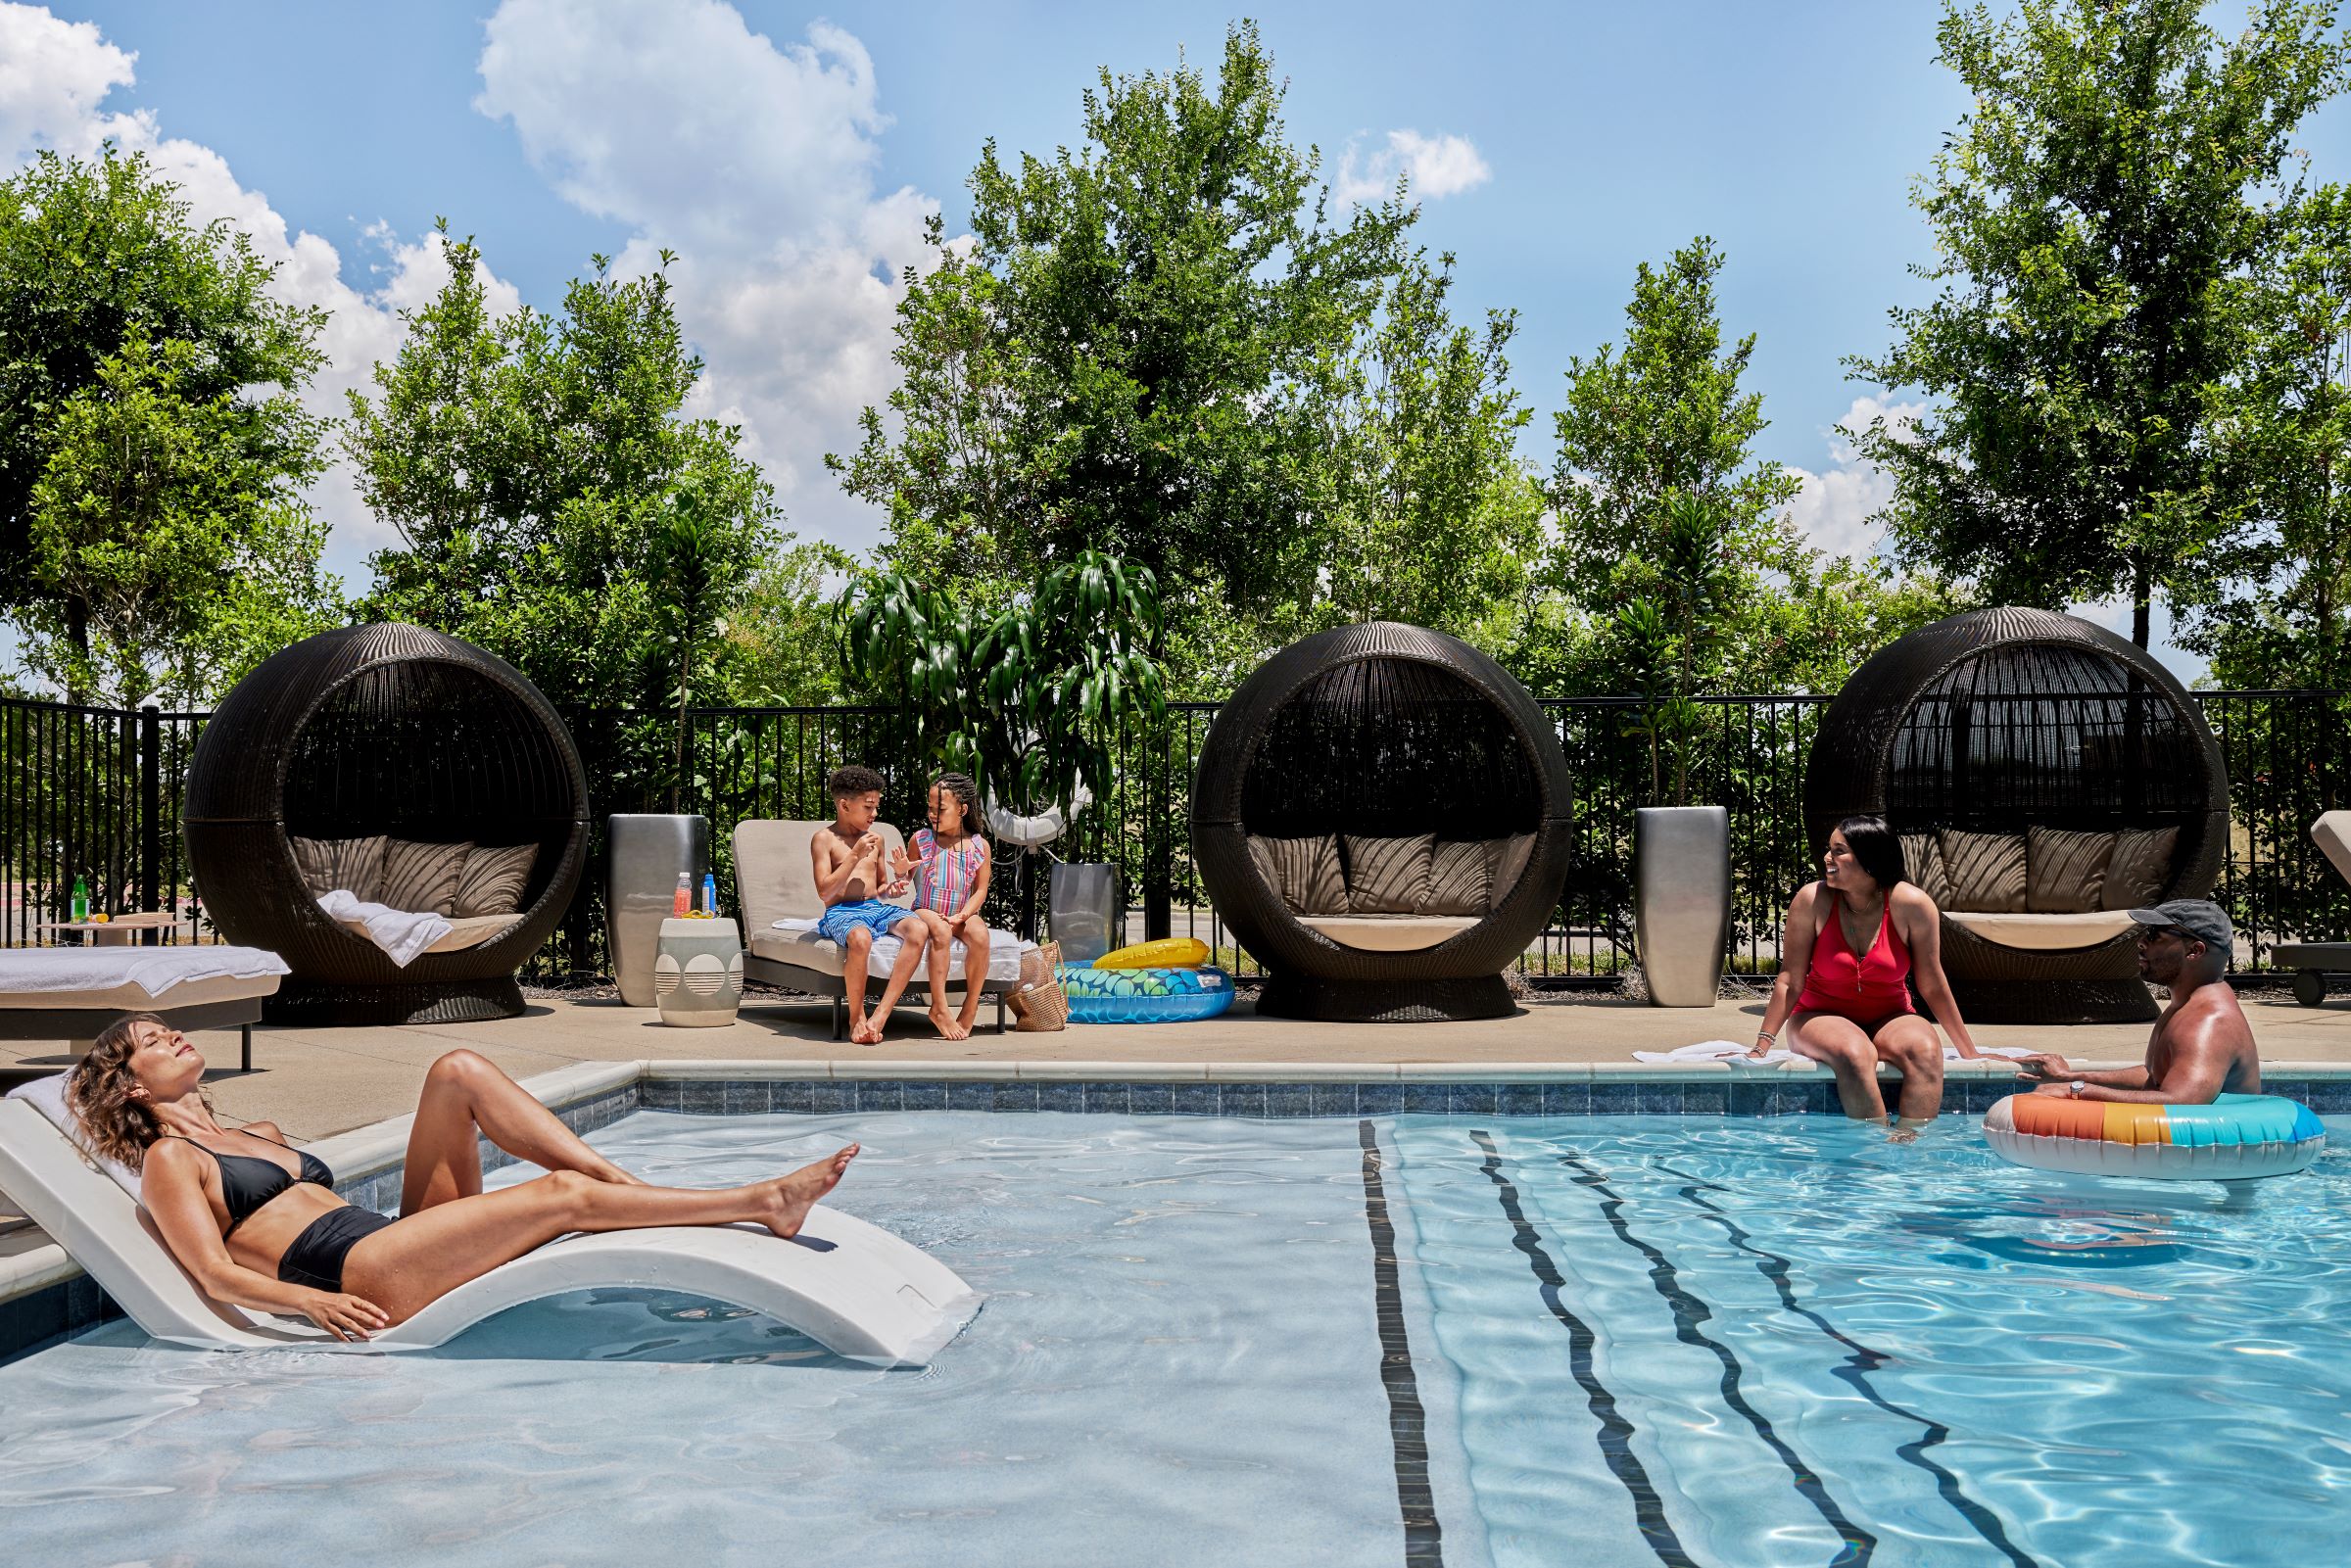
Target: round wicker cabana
x,y
2005,719
1382,730
390,731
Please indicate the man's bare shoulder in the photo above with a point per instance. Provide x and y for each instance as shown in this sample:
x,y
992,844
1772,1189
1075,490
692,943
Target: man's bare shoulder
x,y
2211,1014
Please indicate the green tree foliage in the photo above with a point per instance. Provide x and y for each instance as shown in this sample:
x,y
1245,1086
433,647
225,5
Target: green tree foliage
x,y
151,538
784,636
1106,368
551,499
2100,218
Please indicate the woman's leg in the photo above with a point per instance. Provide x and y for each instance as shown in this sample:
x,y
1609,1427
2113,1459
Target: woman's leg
x,y
464,1094
422,1256
1838,1041
975,970
1909,1043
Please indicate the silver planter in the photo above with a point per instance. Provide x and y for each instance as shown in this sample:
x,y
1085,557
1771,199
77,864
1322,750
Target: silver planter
x,y
643,855
1085,910
1682,900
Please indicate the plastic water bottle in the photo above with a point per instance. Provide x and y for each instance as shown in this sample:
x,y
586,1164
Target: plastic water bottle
x,y
710,895
82,899
684,901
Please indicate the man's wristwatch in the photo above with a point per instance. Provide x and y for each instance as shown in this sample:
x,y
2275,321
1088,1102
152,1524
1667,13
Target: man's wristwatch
x,y
2076,1087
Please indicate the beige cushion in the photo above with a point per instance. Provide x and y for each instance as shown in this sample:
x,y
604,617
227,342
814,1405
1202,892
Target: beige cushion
x,y
493,878
1390,934
2332,833
2141,867
132,998
775,871
1461,878
421,877
461,933
2044,934
1922,862
1389,876
1986,871
1305,871
2065,873
353,864
1511,857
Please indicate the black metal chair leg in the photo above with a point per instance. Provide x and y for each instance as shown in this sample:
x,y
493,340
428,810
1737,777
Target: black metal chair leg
x,y
245,1048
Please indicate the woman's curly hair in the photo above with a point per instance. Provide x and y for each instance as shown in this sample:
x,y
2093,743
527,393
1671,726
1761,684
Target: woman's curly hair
x,y
98,1089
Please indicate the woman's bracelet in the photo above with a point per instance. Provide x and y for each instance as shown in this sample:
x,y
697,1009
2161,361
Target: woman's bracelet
x,y
1766,1037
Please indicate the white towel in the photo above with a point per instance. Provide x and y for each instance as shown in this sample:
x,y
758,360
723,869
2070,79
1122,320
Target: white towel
x,y
1732,1052
400,932
153,969
1004,950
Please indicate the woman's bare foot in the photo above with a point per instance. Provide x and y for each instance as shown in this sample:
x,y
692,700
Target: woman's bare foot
x,y
949,1027
788,1199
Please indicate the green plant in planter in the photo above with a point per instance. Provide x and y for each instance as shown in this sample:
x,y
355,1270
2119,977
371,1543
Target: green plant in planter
x,y
1676,635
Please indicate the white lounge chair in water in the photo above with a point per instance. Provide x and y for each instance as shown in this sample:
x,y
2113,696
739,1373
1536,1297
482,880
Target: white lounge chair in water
x,y
851,1286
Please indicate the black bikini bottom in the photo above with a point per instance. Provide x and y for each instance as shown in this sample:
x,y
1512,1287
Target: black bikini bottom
x,y
316,1256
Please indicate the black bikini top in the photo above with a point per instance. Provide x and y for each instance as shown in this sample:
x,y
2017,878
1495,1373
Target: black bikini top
x,y
248,1181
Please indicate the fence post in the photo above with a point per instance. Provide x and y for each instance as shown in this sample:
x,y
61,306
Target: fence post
x,y
151,812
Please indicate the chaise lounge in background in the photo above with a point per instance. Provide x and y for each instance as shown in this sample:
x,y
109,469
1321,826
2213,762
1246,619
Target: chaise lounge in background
x,y
2313,961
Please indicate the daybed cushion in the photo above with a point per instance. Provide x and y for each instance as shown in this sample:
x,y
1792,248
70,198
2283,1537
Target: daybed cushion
x,y
796,942
354,865
1511,857
2044,934
2141,867
1922,859
2332,833
1987,871
1461,878
1305,871
1390,934
472,932
493,879
134,979
1389,876
2065,873
421,877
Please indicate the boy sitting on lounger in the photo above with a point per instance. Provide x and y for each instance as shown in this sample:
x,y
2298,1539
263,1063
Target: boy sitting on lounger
x,y
854,884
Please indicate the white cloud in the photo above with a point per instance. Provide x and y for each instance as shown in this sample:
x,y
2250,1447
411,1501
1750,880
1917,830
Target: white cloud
x,y
53,75
1834,511
1432,167
755,163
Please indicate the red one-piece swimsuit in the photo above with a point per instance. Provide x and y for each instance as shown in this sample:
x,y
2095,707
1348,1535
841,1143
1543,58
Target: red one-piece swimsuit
x,y
1869,988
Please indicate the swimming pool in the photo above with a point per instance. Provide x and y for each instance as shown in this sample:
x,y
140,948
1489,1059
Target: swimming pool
x,y
1513,1340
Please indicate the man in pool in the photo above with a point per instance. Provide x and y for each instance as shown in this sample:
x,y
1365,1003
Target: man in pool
x,y
856,888
2202,1047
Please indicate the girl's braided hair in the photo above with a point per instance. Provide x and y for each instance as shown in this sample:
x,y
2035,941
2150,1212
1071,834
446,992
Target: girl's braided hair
x,y
967,793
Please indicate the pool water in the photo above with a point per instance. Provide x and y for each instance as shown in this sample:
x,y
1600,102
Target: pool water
x,y
1599,1341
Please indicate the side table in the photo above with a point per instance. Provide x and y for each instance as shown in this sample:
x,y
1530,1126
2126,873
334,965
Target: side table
x,y
698,972
121,931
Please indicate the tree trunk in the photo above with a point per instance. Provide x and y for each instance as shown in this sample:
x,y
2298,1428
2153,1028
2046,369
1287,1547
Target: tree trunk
x,y
2143,593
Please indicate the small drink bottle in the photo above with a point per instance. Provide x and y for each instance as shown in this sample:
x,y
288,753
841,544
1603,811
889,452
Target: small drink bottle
x,y
710,895
684,900
82,899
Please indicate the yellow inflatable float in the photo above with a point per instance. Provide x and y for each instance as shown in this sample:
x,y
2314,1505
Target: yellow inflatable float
x,y
1168,953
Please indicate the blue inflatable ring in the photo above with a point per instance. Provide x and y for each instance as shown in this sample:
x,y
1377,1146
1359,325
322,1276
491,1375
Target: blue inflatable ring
x,y
1143,996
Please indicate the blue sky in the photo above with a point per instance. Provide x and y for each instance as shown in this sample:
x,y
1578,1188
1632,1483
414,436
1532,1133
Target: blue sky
x,y
790,152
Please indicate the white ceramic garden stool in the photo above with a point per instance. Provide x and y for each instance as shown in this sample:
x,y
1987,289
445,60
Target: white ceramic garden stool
x,y
697,973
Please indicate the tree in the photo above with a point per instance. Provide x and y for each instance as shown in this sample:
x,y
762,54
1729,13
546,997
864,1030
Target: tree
x,y
2098,218
537,468
1105,369
122,319
784,637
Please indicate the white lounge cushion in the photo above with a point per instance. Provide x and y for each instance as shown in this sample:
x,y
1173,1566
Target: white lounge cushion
x,y
139,999
2044,934
468,930
2332,833
795,941
129,976
1389,934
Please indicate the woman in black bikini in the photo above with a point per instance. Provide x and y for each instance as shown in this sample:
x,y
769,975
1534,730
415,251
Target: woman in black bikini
x,y
258,1224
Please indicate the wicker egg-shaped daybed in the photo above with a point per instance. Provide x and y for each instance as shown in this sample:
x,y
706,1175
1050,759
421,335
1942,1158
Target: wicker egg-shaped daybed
x,y
376,759
1382,816
2017,737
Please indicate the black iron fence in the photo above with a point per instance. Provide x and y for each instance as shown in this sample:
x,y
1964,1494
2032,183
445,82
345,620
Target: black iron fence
x,y
95,794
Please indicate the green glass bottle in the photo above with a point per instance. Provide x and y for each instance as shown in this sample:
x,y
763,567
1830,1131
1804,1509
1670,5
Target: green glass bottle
x,y
82,899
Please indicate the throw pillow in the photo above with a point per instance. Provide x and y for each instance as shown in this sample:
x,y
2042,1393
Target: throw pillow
x,y
421,877
1461,879
1987,871
2141,867
1305,871
1511,856
1922,862
353,864
493,879
2065,873
1389,876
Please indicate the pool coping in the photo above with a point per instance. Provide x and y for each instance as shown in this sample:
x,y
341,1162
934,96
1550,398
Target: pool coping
x,y
44,1295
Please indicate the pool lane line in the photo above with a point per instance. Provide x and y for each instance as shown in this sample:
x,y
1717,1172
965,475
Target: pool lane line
x,y
1616,1432
1859,1362
1407,1421
1688,1315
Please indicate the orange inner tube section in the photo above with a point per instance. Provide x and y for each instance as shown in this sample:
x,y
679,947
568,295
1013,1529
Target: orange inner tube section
x,y
2051,1116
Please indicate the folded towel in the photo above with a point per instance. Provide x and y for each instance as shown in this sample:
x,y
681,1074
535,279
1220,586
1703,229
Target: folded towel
x,y
400,932
153,969
1732,1052
1004,950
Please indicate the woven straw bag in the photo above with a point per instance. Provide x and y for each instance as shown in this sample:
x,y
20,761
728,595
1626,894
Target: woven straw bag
x,y
1040,1006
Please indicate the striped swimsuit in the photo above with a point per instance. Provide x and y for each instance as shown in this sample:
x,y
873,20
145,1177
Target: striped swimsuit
x,y
947,876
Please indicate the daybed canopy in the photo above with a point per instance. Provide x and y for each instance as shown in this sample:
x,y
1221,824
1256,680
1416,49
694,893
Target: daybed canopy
x,y
400,732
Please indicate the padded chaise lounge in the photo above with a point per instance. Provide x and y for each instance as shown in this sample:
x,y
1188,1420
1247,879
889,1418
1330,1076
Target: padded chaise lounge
x,y
852,1287
72,993
2313,961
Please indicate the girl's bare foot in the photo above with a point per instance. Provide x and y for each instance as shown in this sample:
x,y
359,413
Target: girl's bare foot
x,y
866,1032
949,1027
788,1200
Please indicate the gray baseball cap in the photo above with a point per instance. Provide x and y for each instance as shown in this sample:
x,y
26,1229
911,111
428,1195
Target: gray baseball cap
x,y
2200,917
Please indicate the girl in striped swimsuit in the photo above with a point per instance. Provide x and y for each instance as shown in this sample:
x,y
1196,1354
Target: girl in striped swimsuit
x,y
950,864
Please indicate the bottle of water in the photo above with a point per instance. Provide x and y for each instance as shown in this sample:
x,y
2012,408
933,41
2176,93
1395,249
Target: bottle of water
x,y
683,903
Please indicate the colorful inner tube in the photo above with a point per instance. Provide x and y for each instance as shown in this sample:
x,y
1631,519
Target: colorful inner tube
x,y
2236,1136
1143,996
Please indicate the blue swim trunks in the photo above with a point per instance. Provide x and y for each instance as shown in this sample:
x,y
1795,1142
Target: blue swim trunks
x,y
876,916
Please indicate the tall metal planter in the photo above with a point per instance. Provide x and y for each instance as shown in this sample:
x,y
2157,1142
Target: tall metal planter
x,y
648,852
1682,901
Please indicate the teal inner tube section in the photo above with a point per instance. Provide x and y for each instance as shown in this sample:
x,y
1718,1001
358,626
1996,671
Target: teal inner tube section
x,y
2242,1118
1145,996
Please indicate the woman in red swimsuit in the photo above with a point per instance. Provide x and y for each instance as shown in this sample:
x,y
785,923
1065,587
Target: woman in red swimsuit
x,y
1856,937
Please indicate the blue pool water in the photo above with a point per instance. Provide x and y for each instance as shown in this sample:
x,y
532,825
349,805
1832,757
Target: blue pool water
x,y
1630,1341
